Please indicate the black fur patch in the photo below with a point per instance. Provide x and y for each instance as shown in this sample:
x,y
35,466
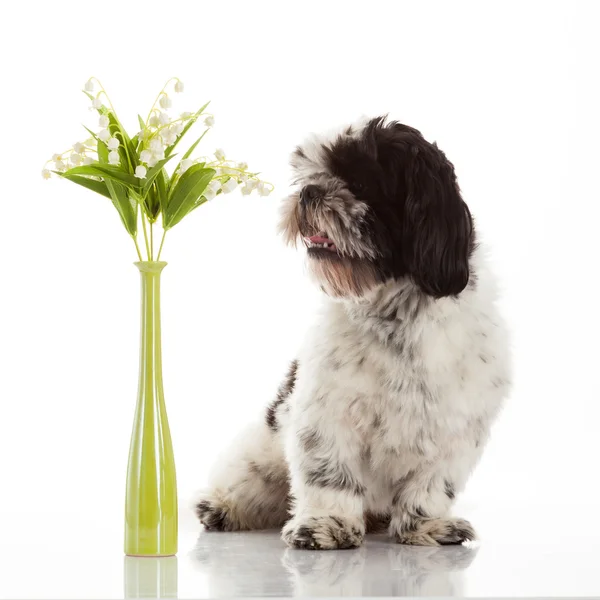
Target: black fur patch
x,y
326,474
449,489
285,389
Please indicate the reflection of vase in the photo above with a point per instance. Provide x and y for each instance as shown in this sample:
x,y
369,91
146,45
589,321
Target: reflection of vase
x,y
151,494
149,577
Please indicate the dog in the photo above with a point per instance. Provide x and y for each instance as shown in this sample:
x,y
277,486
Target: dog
x,y
387,407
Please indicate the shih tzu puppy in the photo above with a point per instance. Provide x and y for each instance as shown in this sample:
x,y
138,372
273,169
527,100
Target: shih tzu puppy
x,y
387,407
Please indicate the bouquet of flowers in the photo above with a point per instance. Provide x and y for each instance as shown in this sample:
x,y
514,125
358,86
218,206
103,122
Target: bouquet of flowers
x,y
131,172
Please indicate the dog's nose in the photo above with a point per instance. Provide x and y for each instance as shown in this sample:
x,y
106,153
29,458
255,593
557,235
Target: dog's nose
x,y
309,193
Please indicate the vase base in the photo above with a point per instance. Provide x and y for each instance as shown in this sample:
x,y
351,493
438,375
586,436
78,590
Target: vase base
x,y
150,555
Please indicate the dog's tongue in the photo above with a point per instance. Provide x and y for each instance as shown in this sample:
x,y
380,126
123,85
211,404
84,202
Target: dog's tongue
x,y
319,239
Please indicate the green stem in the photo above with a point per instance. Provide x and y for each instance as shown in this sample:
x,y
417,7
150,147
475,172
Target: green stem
x,y
162,241
151,241
146,237
137,248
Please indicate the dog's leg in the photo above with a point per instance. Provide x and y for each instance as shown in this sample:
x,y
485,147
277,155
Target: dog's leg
x,y
249,487
327,487
420,507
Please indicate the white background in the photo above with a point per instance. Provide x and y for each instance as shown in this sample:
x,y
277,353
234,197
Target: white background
x,y
510,92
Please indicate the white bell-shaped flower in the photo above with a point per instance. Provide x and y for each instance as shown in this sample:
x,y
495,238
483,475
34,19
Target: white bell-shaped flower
x,y
89,86
113,143
242,166
88,160
97,103
151,162
104,135
145,155
165,101
59,165
229,186
140,172
76,159
163,118
114,158
79,147
209,121
179,86
220,154
156,145
103,121
153,121
263,189
185,164
46,174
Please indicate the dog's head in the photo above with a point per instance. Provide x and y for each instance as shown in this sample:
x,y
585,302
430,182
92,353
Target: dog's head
x,y
379,202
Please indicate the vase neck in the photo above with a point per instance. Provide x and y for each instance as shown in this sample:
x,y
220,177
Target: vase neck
x,y
152,267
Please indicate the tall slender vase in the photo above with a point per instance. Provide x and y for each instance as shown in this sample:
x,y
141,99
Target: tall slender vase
x,y
151,494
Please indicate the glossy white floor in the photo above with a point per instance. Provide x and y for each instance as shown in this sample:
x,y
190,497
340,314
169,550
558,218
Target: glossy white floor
x,y
546,552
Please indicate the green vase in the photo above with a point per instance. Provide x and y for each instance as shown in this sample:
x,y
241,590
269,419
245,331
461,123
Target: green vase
x,y
151,494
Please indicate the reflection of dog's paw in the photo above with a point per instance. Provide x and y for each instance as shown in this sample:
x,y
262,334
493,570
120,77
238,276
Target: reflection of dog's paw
x,y
324,533
437,532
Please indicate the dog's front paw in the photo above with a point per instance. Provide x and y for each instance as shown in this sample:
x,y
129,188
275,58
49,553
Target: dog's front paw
x,y
324,533
436,532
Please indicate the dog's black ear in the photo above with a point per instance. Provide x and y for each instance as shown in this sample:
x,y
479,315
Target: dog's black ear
x,y
438,229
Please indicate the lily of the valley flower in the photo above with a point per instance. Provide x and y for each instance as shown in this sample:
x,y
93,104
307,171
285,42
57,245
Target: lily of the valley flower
x,y
179,86
263,189
229,186
220,154
153,121
242,166
165,101
88,160
145,155
97,103
168,136
46,174
104,135
113,143
211,190
156,145
59,165
104,121
89,86
164,118
185,164
76,159
209,121
113,157
140,172
79,148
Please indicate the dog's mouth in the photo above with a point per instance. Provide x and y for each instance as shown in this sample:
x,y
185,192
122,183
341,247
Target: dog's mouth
x,y
320,243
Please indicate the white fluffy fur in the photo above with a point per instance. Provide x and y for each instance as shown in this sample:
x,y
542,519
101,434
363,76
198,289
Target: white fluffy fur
x,y
385,412
421,421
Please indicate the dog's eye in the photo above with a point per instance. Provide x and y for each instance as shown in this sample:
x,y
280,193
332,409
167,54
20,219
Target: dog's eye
x,y
356,187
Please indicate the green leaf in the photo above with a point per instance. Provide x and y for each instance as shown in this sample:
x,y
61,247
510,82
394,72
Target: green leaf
x,y
153,173
186,194
162,185
91,184
126,208
193,146
126,149
191,121
141,122
107,171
